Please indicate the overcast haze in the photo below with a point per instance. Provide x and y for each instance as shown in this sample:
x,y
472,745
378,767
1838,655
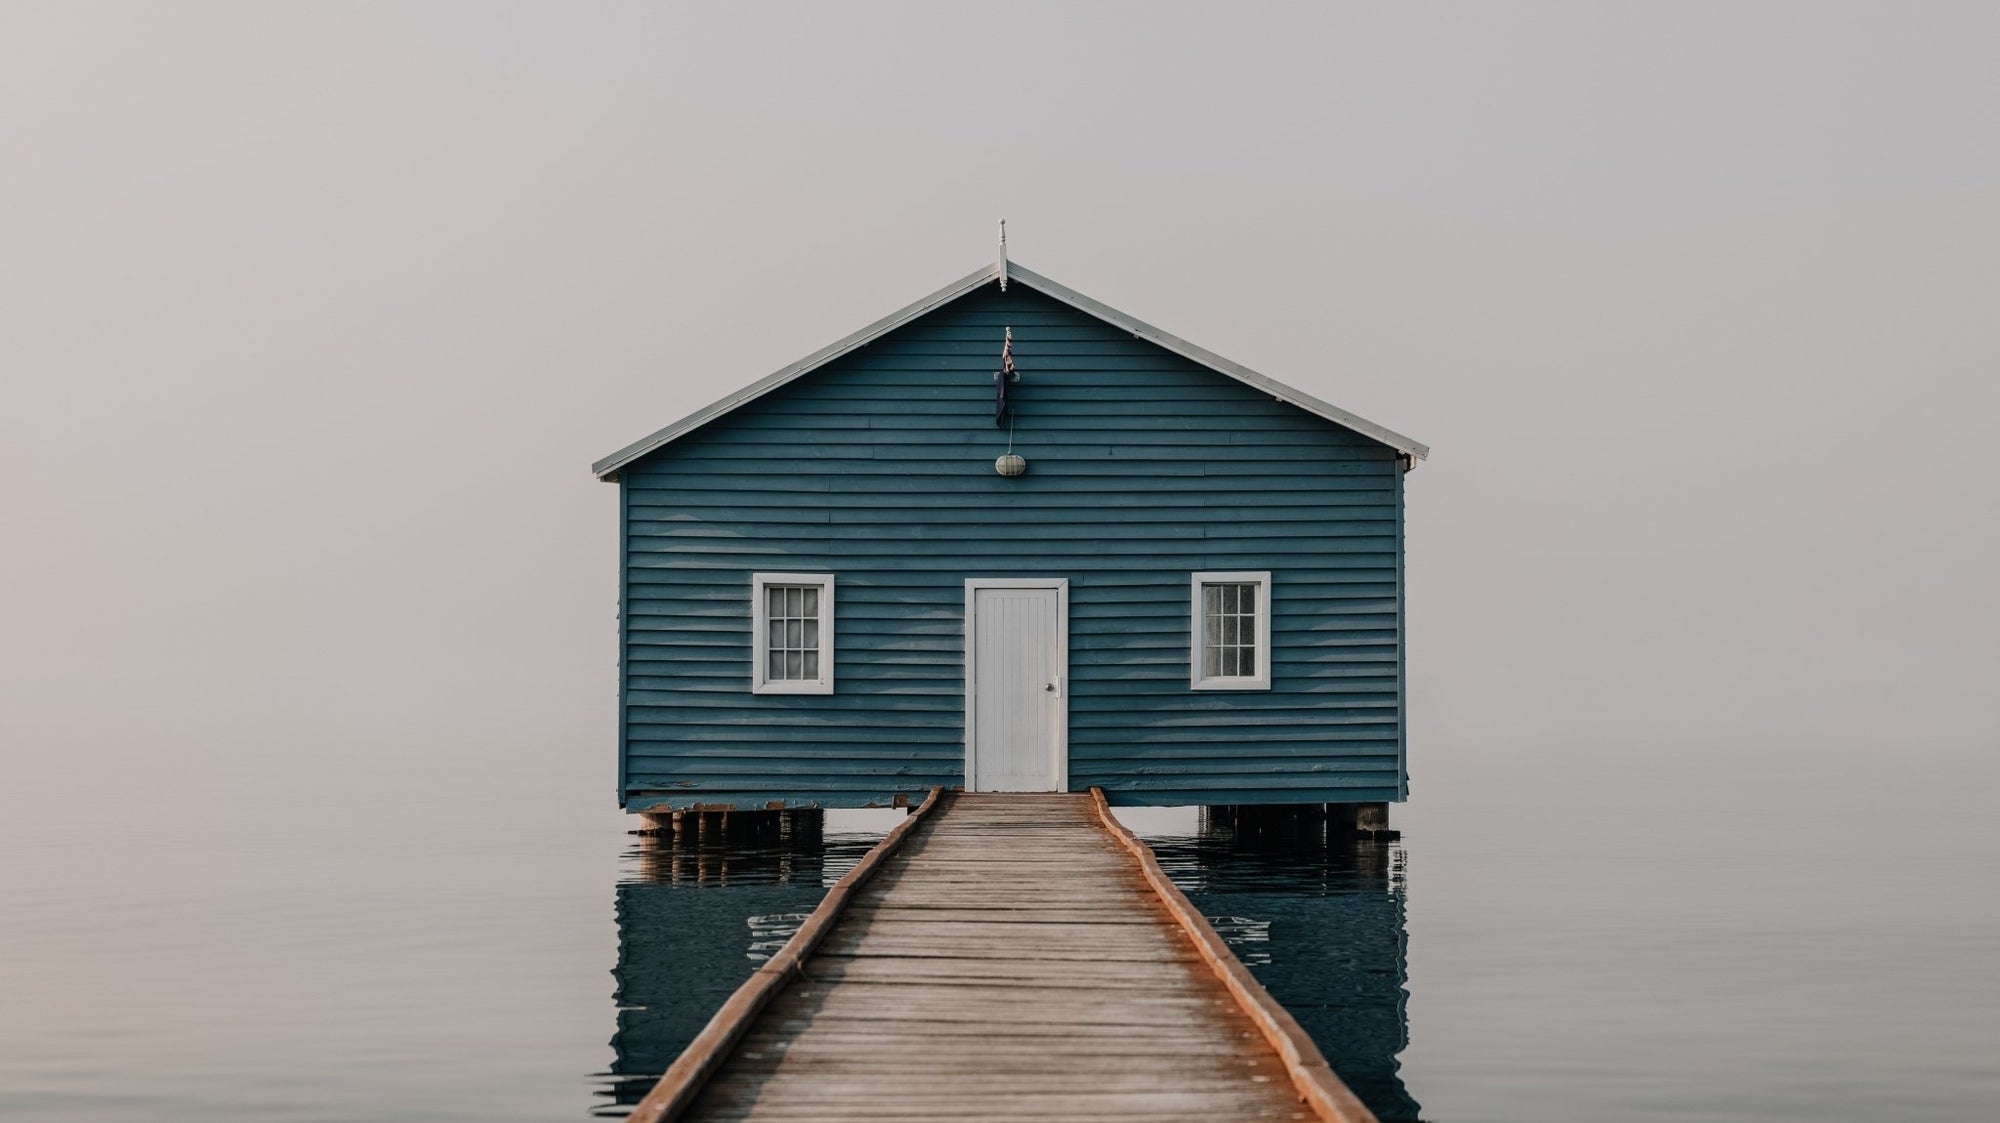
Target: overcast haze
x,y
312,319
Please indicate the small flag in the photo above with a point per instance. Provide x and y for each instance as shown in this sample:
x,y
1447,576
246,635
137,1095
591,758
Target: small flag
x,y
1001,379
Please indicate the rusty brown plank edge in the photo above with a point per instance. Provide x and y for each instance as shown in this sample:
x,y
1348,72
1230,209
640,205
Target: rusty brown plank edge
x,y
1318,1086
705,1054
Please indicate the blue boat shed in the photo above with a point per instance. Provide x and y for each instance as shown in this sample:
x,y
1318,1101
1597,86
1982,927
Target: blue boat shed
x,y
1009,538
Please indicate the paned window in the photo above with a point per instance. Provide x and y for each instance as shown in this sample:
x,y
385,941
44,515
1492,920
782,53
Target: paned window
x,y
792,644
1230,632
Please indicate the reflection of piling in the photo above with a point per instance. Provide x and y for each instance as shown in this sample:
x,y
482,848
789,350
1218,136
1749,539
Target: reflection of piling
x,y
805,825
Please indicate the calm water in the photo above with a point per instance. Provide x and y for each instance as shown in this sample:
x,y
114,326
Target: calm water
x,y
1795,944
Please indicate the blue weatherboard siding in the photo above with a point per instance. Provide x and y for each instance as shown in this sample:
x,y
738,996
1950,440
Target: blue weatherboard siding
x,y
1143,468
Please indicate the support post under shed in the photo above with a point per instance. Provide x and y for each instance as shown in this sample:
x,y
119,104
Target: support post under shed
x,y
1290,820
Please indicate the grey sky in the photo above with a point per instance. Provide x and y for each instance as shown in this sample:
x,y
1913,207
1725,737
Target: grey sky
x,y
313,317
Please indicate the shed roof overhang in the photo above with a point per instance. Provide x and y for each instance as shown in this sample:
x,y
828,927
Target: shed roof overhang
x,y
609,467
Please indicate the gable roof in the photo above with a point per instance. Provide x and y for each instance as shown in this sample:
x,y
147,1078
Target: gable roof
x,y
608,468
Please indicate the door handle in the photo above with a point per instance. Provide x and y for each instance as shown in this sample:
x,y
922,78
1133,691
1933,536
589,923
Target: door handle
x,y
1050,687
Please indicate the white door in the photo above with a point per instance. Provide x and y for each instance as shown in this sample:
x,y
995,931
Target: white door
x,y
1016,699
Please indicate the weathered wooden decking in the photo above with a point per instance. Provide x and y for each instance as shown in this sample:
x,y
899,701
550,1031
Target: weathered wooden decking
x,y
1003,957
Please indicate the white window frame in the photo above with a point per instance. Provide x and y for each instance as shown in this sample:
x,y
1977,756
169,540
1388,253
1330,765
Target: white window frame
x,y
760,634
1196,632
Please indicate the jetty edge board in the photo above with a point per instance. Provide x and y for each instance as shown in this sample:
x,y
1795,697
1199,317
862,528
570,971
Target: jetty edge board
x,y
1031,935
683,1079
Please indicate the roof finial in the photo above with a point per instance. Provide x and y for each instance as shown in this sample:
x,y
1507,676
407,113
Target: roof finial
x,y
1003,255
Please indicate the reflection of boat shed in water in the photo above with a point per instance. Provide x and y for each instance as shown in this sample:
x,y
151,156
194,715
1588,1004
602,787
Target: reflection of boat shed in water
x,y
1132,564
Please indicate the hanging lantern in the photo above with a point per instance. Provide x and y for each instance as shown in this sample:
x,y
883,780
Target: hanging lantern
x,y
1010,465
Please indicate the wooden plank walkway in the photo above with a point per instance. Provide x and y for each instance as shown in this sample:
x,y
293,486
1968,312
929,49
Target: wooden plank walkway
x,y
1003,957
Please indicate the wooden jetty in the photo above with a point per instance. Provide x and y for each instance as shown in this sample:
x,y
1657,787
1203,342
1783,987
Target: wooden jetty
x,y
1003,957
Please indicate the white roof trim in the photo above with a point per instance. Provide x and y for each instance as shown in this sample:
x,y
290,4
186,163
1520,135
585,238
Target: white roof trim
x,y
1216,362
609,467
